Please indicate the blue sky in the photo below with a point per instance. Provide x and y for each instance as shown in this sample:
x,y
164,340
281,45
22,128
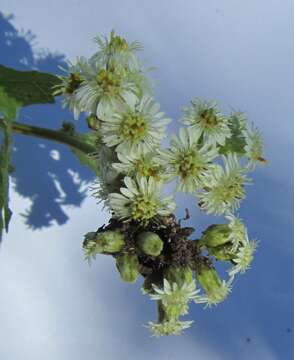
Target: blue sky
x,y
52,304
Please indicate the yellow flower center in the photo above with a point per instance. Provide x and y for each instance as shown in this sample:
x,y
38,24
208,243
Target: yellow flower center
x,y
118,44
208,118
133,127
189,164
146,169
109,81
144,208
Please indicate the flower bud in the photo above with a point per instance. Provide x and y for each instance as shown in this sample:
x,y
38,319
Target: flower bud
x,y
128,267
178,275
167,326
216,289
223,252
103,242
216,235
149,243
109,242
93,122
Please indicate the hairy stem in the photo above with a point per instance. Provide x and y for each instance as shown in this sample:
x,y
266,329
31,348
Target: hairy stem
x,y
55,135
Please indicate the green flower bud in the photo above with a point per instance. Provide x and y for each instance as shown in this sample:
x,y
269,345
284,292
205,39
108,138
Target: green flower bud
x,y
93,122
149,243
167,326
178,275
103,242
109,242
223,252
128,267
216,235
215,288
167,313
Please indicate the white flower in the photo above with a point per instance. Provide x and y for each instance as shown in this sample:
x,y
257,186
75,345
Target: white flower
x,y
169,327
76,73
243,257
137,125
254,146
205,117
238,232
98,94
174,297
140,200
140,163
224,188
188,160
117,50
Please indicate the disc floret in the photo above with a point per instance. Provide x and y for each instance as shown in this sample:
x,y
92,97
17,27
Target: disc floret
x,y
140,200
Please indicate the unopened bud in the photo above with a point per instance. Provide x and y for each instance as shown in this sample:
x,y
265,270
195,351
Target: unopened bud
x,y
223,252
103,242
216,235
109,241
166,326
128,267
93,122
216,289
149,243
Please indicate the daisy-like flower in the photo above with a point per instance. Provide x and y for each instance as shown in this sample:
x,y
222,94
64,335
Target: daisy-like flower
x,y
169,327
224,188
238,231
188,161
145,164
137,125
116,49
76,73
205,117
140,200
175,298
253,147
97,95
243,257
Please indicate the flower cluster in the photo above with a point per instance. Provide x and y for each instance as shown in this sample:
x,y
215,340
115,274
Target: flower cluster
x,y
210,158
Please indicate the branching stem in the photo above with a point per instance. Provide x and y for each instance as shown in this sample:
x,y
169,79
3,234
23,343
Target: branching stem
x,y
55,135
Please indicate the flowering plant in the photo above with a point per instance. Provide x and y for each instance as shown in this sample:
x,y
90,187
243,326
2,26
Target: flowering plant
x,y
210,158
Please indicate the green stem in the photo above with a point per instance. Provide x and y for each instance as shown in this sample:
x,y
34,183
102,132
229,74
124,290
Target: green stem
x,y
55,135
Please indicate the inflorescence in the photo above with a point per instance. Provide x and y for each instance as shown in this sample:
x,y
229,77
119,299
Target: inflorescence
x,y
210,158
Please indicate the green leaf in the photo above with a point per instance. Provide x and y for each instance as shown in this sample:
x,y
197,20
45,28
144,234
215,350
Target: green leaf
x,y
8,108
8,105
17,89
28,87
